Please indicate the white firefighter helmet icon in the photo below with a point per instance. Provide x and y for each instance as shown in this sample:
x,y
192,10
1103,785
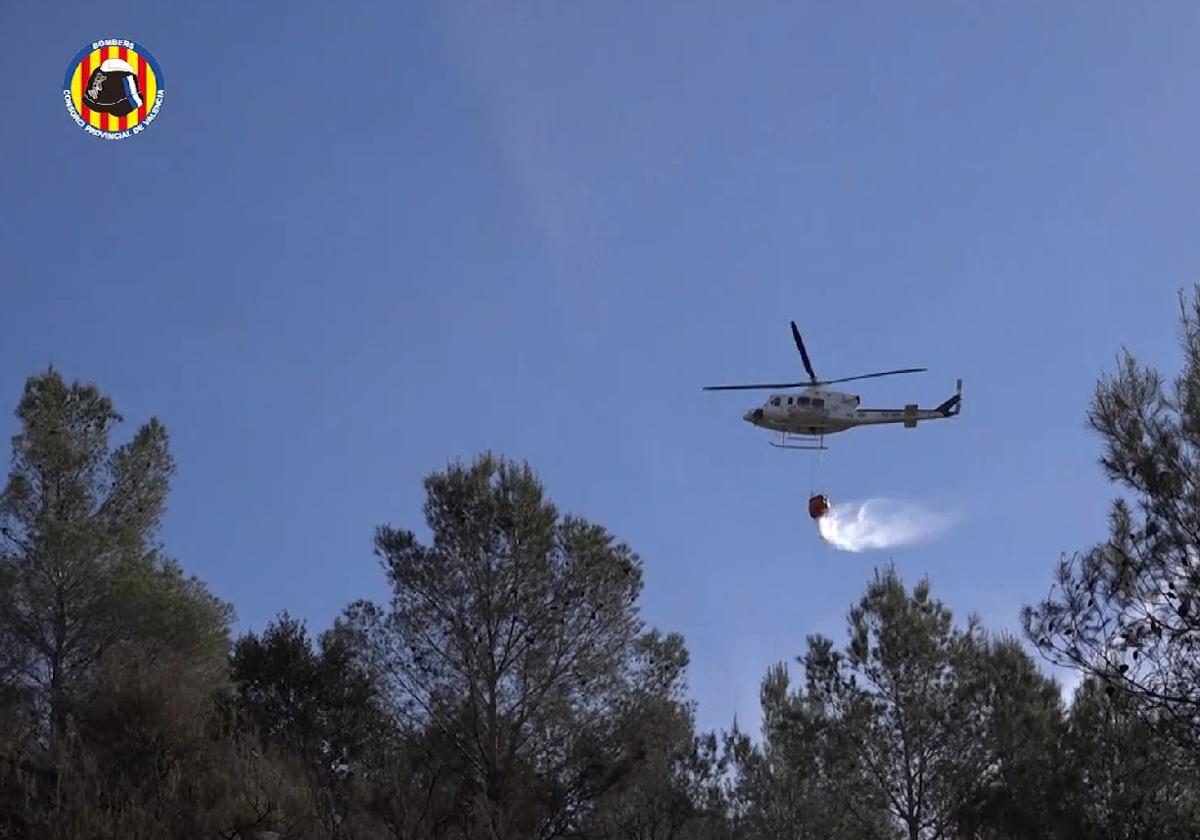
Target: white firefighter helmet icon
x,y
113,88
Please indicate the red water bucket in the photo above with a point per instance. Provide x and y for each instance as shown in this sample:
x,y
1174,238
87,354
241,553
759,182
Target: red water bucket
x,y
818,506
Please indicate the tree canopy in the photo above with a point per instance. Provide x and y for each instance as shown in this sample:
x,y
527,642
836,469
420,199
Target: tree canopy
x,y
1126,611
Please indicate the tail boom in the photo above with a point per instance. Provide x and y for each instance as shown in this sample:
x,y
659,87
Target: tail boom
x,y
910,415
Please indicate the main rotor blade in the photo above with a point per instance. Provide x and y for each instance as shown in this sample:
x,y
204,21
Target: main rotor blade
x,y
870,375
803,352
756,387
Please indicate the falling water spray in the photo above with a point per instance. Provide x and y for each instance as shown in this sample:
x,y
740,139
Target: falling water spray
x,y
880,524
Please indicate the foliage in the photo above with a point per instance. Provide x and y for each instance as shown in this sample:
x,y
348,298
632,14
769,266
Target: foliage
x,y
1127,611
795,784
1137,784
1029,788
907,706
311,705
76,523
515,635
916,729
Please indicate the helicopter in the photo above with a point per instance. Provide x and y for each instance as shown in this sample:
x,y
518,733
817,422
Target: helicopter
x,y
804,420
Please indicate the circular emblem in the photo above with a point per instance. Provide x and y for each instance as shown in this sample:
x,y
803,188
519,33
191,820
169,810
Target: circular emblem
x,y
113,89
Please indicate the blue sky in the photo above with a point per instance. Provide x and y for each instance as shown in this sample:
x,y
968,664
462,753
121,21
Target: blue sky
x,y
364,239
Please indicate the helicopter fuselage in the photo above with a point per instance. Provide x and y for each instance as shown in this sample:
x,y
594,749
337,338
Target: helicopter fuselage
x,y
813,411
818,411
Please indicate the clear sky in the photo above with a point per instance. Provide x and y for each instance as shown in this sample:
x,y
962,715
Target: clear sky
x,y
363,239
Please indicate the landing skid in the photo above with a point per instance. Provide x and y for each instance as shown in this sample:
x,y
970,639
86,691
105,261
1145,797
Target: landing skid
x,y
789,441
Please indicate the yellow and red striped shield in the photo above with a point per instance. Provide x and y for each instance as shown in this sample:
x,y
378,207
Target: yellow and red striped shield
x,y
135,74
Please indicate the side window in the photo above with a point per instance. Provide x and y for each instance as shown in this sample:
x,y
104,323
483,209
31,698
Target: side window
x,y
775,401
789,400
818,403
801,400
